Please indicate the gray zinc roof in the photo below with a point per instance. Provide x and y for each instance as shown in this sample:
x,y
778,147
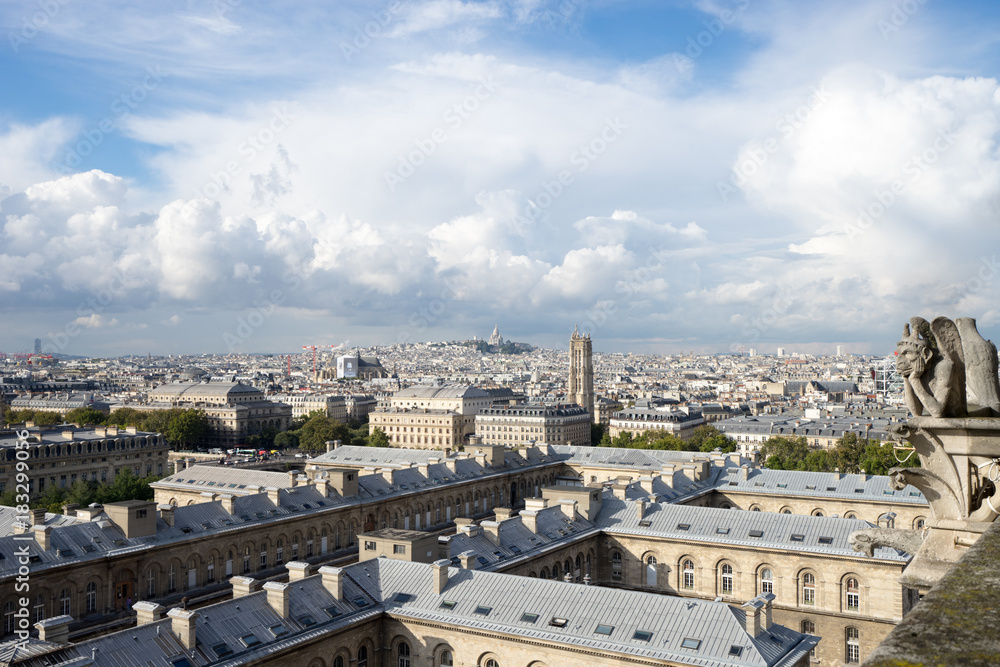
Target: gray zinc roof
x,y
819,485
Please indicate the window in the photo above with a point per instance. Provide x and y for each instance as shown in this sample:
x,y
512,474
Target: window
x,y
403,655
338,661
727,579
250,640
808,588
735,651
399,548
363,656
448,604
490,662
370,546
528,618
766,581
279,553
483,611
692,644
8,618
447,660
687,574
64,600
809,628
605,630
853,646
91,597
616,566
642,635
853,595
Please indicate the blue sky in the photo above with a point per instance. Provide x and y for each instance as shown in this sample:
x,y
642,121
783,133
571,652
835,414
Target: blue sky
x,y
716,175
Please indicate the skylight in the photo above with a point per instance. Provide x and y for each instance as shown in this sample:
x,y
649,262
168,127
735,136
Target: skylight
x,y
642,635
448,604
557,622
307,621
826,540
250,640
683,526
360,601
528,617
689,643
403,597
222,650
797,538
756,533
279,630
735,651
605,630
722,531
333,611
482,611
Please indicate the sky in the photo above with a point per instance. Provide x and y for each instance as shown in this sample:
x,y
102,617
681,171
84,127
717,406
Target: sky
x,y
716,176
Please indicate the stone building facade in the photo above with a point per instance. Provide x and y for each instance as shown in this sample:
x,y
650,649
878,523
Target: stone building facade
x,y
515,425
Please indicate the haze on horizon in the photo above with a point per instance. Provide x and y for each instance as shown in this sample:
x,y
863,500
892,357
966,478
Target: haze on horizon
x,y
670,176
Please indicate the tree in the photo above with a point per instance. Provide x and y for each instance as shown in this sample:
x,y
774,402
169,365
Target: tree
x,y
781,453
123,417
708,438
320,429
378,438
86,416
186,427
597,432
287,440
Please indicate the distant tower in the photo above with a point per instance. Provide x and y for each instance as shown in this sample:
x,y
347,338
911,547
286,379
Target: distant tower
x,y
581,371
38,346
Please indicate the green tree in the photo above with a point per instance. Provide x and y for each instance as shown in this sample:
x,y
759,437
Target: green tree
x,y
86,416
126,417
597,432
378,438
781,453
605,440
707,438
287,440
318,430
186,428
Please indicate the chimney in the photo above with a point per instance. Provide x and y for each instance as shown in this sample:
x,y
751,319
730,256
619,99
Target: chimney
x,y
329,446
100,431
243,586
619,490
274,495
646,483
468,560
744,473
529,519
472,530
69,509
90,512
766,618
568,508
277,597
297,570
667,474
131,430
481,457
293,479
640,506
503,513
38,516
182,624
389,475
836,474
112,430
492,530
55,629
461,522
228,503
166,513
178,466
424,469
43,535
451,463
440,568
753,614
333,582
147,612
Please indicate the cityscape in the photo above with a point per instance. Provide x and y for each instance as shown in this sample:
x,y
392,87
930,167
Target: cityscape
x,y
499,333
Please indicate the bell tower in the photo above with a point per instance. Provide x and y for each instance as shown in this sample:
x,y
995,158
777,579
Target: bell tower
x,y
581,371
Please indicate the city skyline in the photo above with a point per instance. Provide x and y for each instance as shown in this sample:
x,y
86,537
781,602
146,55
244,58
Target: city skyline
x,y
707,176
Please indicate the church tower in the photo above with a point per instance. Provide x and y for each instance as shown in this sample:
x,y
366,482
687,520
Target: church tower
x,y
581,371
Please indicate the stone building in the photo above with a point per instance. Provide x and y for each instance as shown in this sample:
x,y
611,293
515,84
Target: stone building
x,y
235,411
62,456
515,425
303,405
678,421
422,428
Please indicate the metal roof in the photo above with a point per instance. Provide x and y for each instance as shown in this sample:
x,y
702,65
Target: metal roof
x,y
819,485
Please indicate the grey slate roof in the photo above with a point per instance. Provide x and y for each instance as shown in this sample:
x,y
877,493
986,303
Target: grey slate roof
x,y
722,526
820,485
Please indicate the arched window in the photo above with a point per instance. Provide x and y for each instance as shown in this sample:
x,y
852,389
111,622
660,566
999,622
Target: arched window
x,y
853,594
246,560
446,660
39,607
786,510
363,656
8,618
727,579
279,552
91,597
403,655
64,600
616,566
817,512
766,581
490,662
338,661
808,588
853,648
918,523
687,573
151,584
651,571
210,570
850,515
